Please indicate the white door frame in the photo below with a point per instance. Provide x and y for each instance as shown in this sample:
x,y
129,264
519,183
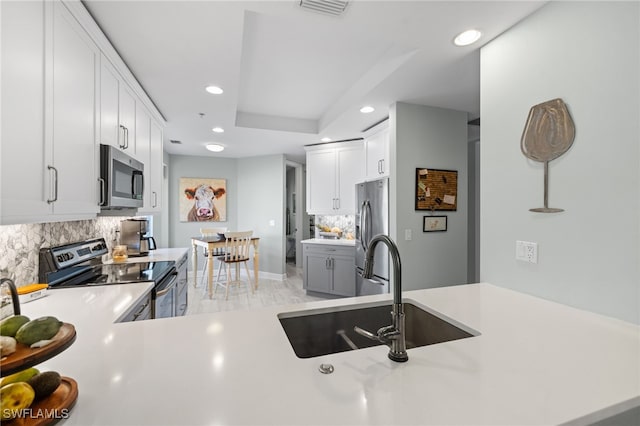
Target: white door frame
x,y
300,208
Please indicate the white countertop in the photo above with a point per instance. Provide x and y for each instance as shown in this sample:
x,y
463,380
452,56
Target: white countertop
x,y
329,241
535,362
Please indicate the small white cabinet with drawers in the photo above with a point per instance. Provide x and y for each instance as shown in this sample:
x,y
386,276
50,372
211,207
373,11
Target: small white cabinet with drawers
x,y
329,268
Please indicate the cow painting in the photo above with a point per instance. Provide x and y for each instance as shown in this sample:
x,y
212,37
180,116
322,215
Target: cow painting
x,y
204,203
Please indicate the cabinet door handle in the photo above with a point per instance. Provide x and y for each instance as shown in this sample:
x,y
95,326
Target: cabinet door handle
x,y
379,166
121,142
102,193
382,166
55,185
337,203
326,263
155,199
142,308
126,139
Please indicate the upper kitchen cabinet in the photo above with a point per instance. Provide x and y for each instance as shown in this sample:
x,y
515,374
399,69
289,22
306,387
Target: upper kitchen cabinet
x,y
117,110
55,65
332,173
49,101
376,146
149,143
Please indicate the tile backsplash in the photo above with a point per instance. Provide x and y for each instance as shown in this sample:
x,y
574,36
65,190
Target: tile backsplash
x,y
21,243
346,223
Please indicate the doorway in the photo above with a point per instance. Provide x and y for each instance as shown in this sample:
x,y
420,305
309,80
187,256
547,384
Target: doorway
x,y
294,215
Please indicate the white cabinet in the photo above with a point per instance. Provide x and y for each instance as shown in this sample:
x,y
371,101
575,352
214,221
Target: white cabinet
x,y
117,110
377,154
329,269
332,173
22,165
149,147
156,173
70,116
49,156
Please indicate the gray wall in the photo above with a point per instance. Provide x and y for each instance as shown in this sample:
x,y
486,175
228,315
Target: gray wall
x,y
433,138
586,53
255,196
261,187
180,233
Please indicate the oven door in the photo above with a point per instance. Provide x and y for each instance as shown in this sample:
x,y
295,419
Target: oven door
x,y
164,297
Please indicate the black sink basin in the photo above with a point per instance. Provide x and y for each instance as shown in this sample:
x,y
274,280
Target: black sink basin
x,y
326,331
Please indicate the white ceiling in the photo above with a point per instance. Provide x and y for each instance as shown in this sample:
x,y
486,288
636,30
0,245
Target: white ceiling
x,y
291,76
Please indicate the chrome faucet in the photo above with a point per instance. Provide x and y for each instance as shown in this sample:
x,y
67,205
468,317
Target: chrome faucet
x,y
392,335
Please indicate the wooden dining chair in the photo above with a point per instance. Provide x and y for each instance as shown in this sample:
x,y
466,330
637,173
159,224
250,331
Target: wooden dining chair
x,y
237,247
210,232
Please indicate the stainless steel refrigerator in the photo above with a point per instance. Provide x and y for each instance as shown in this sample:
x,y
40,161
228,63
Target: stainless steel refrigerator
x,y
372,218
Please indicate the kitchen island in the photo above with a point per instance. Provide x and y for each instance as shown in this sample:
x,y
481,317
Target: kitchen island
x,y
534,362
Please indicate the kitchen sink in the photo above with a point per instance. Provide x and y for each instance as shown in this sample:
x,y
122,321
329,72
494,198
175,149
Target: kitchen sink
x,y
330,330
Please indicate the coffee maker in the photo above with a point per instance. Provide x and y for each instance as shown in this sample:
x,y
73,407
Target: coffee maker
x,y
134,233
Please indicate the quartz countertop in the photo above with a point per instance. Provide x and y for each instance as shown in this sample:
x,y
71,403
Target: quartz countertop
x,y
329,241
535,362
158,255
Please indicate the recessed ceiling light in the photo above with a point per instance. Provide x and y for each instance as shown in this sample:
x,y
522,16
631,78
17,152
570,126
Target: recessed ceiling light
x,y
326,139
215,147
367,109
215,90
466,38
218,129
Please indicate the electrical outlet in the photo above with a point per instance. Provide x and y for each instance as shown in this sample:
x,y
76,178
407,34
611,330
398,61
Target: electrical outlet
x,y
527,251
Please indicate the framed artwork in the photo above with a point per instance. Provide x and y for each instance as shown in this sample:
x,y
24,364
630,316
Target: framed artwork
x,y
203,200
436,189
434,223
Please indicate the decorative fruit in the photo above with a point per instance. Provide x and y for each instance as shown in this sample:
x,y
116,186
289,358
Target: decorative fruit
x,y
42,328
9,326
20,376
44,384
7,345
15,397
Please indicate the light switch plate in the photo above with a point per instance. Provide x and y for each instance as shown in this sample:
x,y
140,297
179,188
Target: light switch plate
x,y
407,234
527,251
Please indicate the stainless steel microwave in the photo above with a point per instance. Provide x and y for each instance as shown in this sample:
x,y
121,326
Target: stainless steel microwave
x,y
121,179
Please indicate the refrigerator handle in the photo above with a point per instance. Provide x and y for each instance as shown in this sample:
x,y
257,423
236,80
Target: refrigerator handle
x,y
367,223
363,236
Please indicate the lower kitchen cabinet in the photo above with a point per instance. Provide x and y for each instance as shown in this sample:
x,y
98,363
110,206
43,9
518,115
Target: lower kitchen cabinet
x,y
140,311
182,286
329,269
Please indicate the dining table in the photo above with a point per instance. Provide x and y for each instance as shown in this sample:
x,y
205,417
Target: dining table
x,y
211,243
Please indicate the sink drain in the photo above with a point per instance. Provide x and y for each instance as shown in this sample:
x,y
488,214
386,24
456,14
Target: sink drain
x,y
326,368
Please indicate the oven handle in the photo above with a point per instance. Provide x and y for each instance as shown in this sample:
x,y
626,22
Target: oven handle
x,y
168,287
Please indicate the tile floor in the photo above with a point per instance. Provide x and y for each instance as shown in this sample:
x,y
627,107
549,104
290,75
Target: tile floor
x,y
270,293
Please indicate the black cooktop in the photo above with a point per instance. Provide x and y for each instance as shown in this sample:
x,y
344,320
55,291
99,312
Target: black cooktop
x,y
115,273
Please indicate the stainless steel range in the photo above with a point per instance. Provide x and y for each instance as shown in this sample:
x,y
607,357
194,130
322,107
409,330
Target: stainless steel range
x,y
79,264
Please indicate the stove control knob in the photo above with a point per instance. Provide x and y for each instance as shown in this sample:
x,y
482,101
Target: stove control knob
x,y
60,258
